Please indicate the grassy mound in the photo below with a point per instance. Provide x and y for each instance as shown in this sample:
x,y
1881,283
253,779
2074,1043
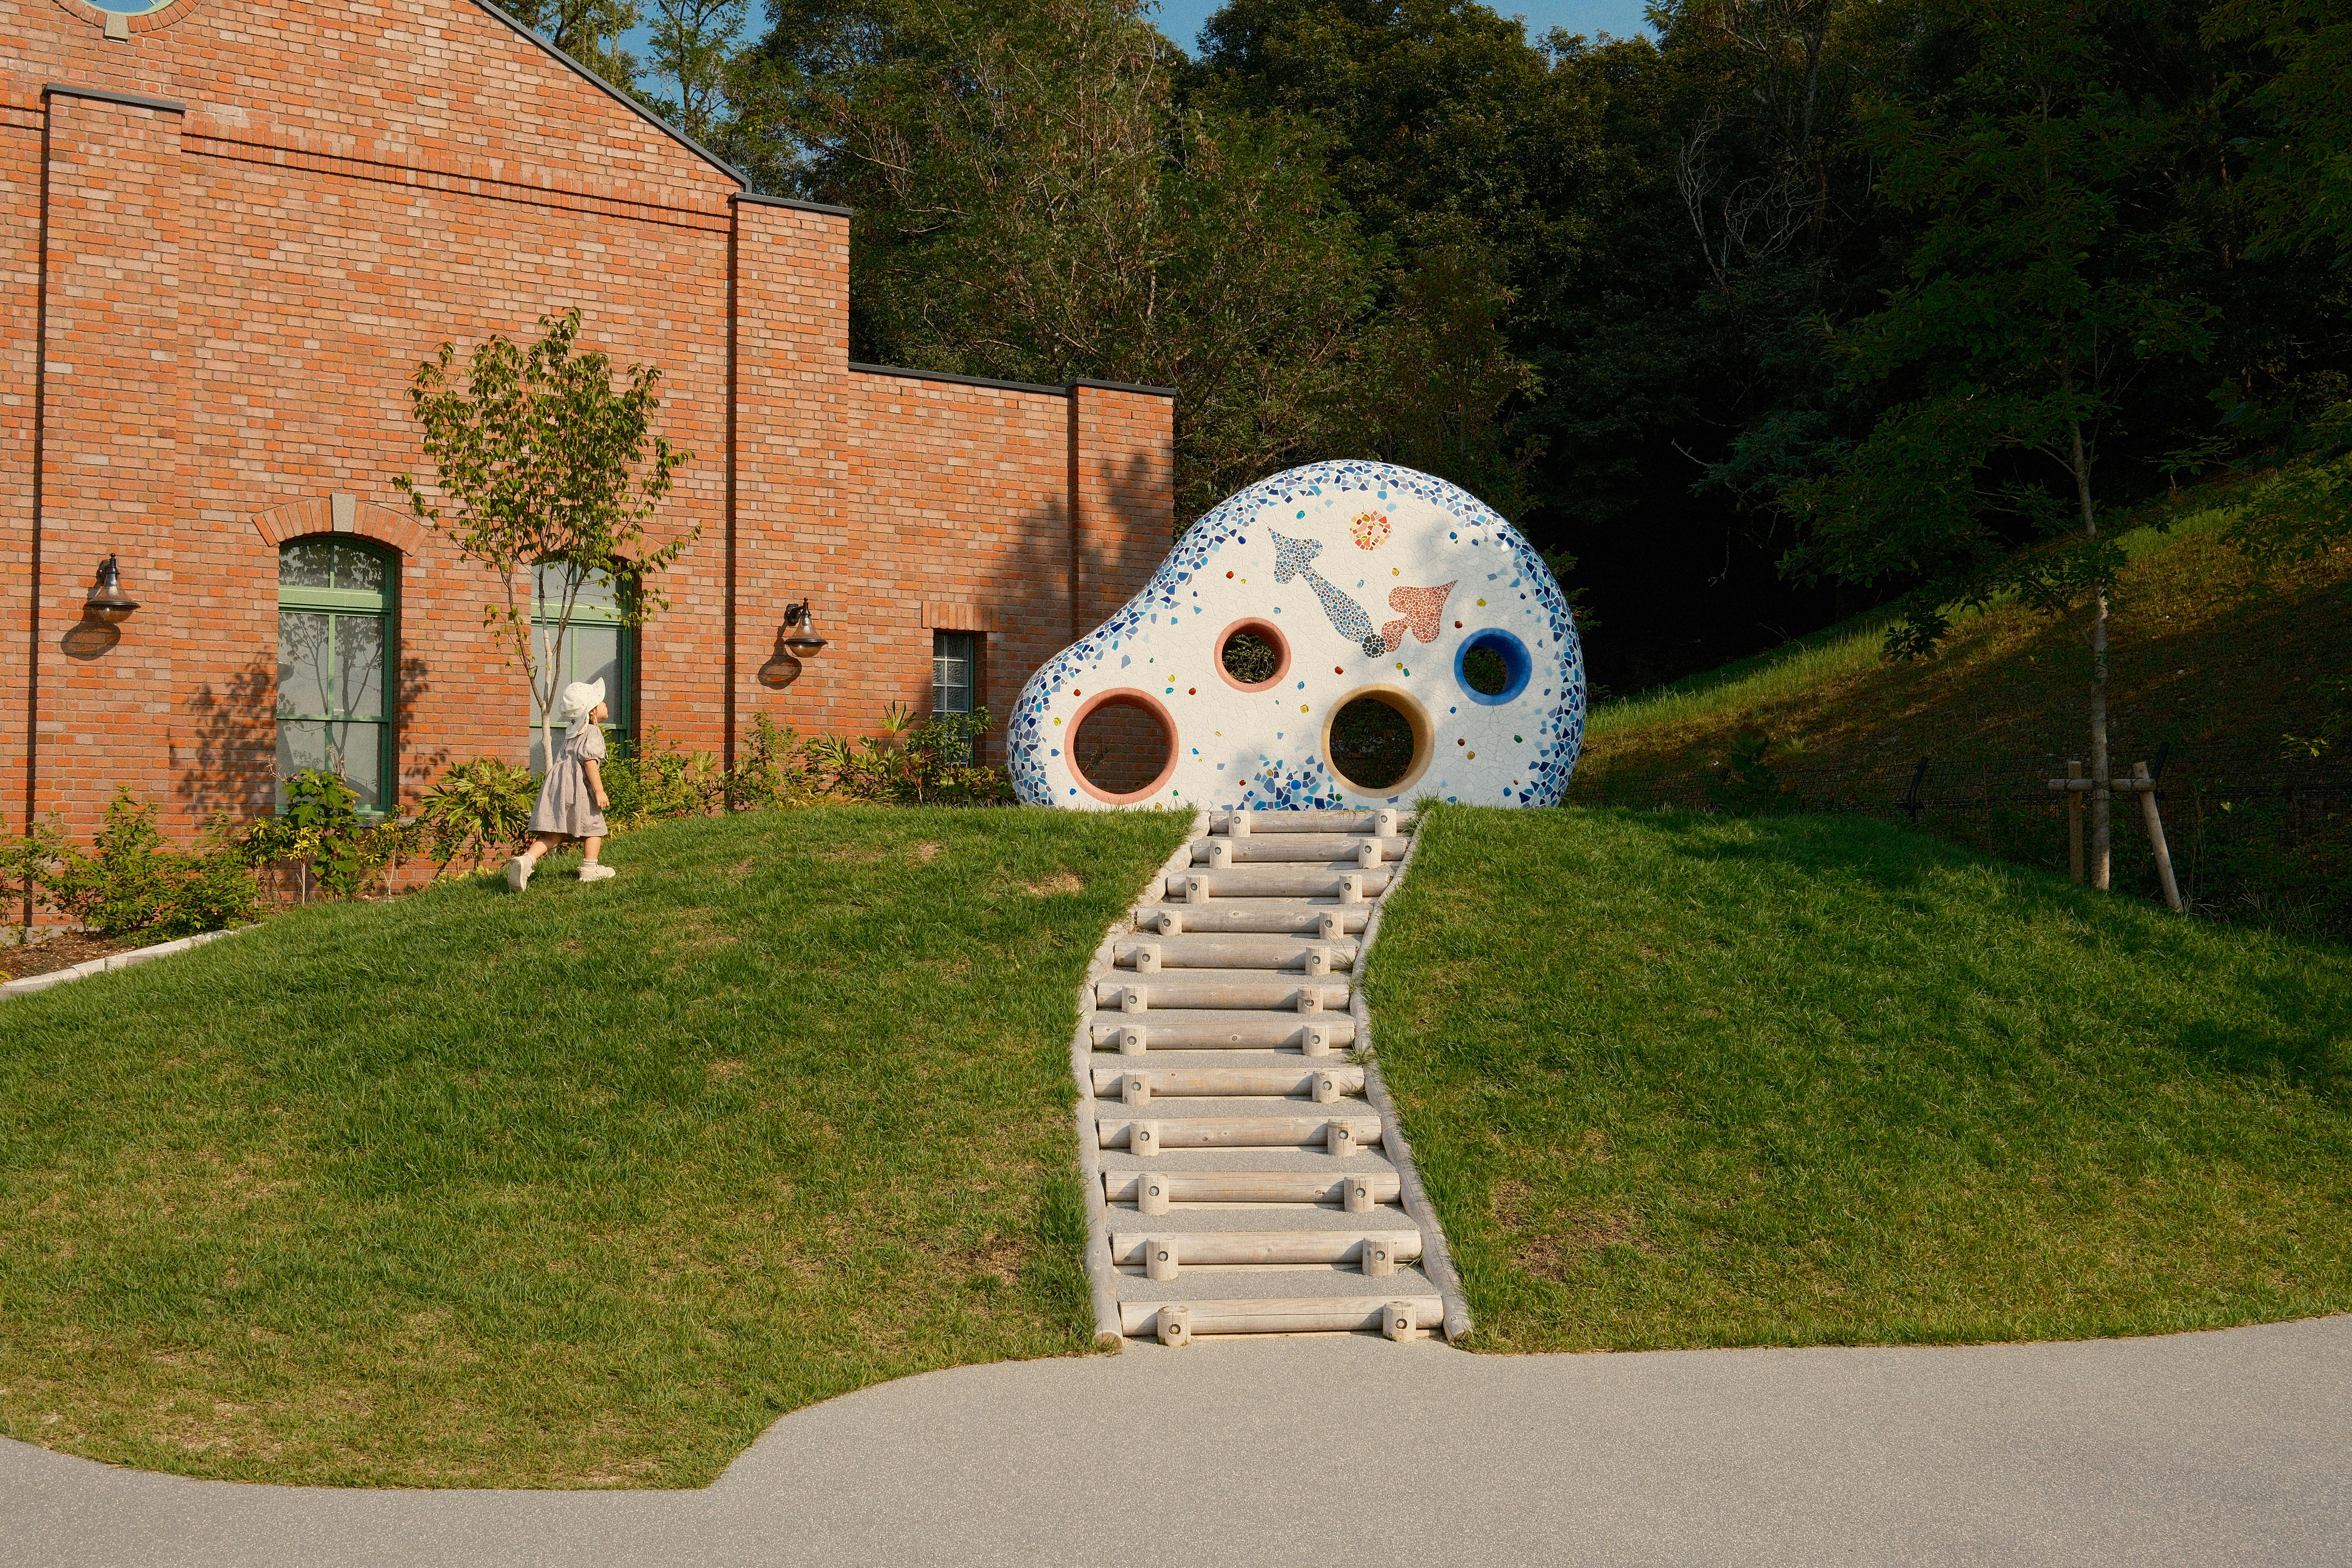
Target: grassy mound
x,y
2206,658
581,1188
1677,1079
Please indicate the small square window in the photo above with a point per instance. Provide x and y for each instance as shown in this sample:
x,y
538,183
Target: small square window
x,y
955,657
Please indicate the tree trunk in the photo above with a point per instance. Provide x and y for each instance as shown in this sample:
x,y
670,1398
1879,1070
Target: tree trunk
x,y
2102,839
547,702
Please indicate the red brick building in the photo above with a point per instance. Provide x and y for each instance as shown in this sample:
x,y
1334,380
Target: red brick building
x,y
234,228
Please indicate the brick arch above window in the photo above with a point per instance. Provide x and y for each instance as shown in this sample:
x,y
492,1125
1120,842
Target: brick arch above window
x,y
153,21
399,530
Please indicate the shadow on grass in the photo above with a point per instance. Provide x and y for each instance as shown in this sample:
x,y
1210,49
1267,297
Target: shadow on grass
x,y
2288,1026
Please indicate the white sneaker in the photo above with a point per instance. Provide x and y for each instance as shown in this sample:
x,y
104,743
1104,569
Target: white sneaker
x,y
519,871
596,871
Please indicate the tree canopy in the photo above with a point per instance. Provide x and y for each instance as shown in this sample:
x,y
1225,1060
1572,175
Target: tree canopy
x,y
1786,307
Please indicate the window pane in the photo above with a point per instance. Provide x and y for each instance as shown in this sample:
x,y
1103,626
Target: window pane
x,y
951,658
596,656
359,568
307,564
352,751
547,586
305,652
300,744
359,665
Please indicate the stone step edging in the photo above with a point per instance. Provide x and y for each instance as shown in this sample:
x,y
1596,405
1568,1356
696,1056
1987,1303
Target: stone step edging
x,y
55,977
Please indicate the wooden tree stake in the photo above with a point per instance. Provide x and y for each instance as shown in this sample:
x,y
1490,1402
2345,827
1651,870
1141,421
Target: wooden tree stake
x,y
2156,835
2074,824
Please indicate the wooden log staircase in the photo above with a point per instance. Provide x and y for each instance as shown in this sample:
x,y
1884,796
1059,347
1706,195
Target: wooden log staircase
x,y
1245,1169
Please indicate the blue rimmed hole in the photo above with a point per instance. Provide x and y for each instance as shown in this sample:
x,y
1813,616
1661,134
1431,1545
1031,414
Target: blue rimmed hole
x,y
1495,647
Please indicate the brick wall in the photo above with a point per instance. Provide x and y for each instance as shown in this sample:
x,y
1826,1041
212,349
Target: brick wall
x,y
237,285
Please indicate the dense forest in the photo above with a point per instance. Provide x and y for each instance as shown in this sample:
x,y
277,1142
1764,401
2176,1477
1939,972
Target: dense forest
x,y
1799,307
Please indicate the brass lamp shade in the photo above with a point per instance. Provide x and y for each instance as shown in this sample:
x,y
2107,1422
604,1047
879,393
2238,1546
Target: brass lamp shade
x,y
106,601
798,637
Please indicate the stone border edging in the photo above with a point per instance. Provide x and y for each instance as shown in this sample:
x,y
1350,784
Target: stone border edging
x,y
112,961
1102,1275
1437,1258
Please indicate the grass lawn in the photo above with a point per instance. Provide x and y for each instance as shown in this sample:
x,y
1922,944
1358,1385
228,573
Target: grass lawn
x,y
1678,1079
583,1188
2206,658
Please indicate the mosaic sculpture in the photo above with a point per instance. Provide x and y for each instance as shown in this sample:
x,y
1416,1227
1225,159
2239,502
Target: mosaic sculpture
x,y
1364,582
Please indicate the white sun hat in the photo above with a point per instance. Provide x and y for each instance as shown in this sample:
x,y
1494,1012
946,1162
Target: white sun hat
x,y
579,699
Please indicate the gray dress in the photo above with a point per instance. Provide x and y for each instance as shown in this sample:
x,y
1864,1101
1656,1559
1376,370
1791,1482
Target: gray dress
x,y
566,804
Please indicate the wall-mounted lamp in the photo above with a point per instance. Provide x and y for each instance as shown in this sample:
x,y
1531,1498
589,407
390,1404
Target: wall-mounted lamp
x,y
800,638
106,601
797,639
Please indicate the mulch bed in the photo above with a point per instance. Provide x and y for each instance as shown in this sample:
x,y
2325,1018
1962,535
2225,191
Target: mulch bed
x,y
62,952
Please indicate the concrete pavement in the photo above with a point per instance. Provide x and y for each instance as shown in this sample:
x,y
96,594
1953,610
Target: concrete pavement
x,y
2226,1448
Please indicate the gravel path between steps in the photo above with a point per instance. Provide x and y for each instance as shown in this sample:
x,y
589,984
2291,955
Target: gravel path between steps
x,y
2226,1448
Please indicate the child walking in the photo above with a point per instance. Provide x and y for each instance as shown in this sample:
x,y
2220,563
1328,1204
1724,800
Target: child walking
x,y
572,800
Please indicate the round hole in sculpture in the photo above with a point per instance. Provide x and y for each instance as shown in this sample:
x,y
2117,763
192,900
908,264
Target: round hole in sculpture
x,y
1378,740
1492,666
1252,655
1122,746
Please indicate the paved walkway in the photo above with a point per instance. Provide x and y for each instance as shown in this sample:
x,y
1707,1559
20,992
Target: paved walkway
x,y
2200,1448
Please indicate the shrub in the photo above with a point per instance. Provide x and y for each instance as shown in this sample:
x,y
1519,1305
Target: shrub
x,y
131,880
913,761
322,831
477,808
771,770
656,780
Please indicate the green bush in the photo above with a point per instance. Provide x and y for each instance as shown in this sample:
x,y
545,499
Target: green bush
x,y
913,762
771,770
478,809
658,780
332,846
132,881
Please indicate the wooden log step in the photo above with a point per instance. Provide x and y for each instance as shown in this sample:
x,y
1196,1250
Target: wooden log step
x,y
1109,1081
1279,882
1299,918
1326,821
1184,951
1227,1248
1240,1132
1291,846
1271,989
1255,1186
1283,1315
1202,1029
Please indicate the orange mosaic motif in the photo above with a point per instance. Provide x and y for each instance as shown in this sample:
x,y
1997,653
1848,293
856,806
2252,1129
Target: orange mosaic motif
x,y
1371,529
1425,610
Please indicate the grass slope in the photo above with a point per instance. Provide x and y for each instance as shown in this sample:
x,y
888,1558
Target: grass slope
x,y
2204,658
583,1188
1677,1079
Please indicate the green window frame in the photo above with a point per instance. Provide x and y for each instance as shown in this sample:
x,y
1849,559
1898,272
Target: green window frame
x,y
598,643
338,644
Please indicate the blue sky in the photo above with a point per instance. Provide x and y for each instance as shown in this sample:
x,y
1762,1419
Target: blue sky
x,y
1181,19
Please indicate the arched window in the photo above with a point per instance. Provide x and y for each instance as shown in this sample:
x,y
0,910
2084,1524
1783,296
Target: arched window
x,y
595,645
336,604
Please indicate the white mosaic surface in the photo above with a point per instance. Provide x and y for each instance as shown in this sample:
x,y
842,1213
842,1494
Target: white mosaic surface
x,y
1368,576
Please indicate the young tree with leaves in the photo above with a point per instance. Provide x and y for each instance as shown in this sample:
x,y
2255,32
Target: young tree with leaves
x,y
541,460
2037,290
